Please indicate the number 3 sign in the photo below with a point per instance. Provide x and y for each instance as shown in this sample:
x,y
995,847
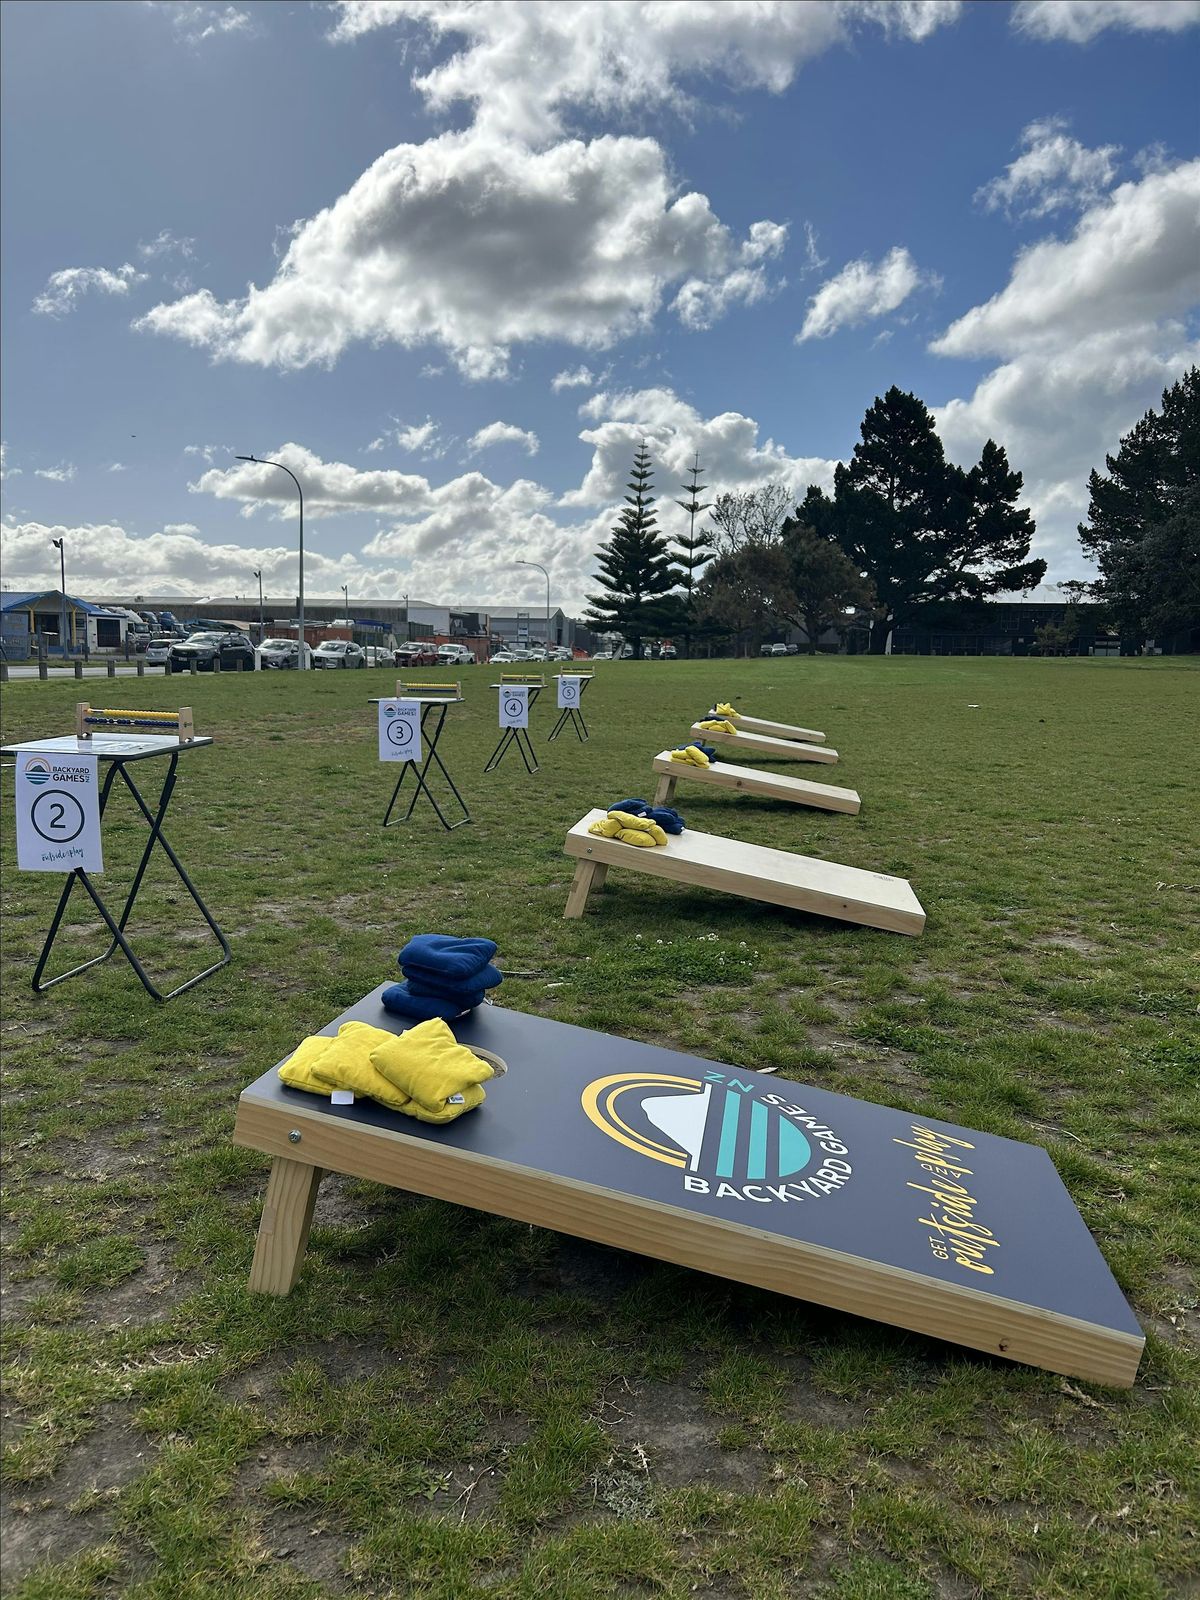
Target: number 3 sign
x,y
58,813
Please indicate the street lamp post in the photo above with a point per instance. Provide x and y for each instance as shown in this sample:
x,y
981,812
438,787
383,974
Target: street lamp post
x,y
262,621
542,570
258,462
60,546
346,597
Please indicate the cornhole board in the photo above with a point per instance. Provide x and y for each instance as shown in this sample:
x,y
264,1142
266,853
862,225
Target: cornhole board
x,y
856,1206
754,871
752,780
764,744
777,730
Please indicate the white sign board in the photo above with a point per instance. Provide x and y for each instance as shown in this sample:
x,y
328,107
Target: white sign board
x,y
514,706
58,812
399,730
568,694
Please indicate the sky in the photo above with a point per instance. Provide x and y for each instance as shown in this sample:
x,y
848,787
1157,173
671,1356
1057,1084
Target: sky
x,y
450,263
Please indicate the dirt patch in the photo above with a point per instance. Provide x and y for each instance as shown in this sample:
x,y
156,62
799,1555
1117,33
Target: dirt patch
x,y
677,1432
1066,941
71,1513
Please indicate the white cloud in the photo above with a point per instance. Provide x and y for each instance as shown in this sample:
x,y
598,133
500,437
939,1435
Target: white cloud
x,y
195,22
1053,171
1088,331
523,65
861,291
731,454
480,244
503,433
1079,21
699,303
65,289
5,470
166,243
60,474
418,438
573,378
116,466
813,259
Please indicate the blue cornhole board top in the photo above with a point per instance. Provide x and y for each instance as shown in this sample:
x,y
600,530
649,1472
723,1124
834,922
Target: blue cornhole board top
x,y
759,1168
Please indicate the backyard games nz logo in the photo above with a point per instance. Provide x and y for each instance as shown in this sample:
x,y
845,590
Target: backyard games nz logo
x,y
725,1137
38,771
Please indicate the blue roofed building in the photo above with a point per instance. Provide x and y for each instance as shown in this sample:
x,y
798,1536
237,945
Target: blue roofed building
x,y
24,618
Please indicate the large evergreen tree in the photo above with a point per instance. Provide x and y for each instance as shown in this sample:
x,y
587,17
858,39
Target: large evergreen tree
x,y
693,551
823,581
1143,525
920,528
635,568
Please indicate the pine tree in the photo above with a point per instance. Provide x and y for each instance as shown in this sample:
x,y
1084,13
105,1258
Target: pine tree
x,y
919,527
635,567
695,550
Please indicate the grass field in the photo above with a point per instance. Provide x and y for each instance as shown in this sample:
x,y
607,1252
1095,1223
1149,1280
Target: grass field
x,y
452,1405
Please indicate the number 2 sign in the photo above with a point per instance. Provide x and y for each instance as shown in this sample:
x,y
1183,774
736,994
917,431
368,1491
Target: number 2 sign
x,y
58,813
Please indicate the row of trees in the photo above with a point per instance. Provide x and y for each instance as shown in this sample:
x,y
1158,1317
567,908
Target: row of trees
x,y
903,527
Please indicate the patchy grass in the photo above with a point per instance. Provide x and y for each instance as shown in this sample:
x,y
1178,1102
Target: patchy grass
x,y
451,1405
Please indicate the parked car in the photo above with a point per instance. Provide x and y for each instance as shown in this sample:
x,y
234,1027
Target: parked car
x,y
668,652
379,655
792,649
773,650
205,649
561,652
417,655
282,653
506,658
339,653
455,655
603,655
158,650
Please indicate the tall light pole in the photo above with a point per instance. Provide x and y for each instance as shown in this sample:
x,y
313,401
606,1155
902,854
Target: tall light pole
x,y
407,629
346,598
60,546
262,623
258,462
542,570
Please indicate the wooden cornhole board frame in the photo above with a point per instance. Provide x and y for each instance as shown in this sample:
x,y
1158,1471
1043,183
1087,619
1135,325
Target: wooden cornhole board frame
x,y
754,871
764,744
755,781
854,1240
776,730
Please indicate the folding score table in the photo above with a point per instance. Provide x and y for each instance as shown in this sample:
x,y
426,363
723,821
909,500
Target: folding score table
x,y
572,712
517,736
434,700
119,752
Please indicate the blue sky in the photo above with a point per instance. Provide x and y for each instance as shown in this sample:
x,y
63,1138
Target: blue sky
x,y
491,246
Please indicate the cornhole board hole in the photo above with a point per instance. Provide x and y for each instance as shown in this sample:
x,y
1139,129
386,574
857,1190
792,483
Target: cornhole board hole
x,y
764,744
754,871
908,1221
777,730
752,780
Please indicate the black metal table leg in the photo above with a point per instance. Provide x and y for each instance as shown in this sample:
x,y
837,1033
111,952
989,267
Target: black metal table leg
x,y
512,736
573,715
420,775
117,929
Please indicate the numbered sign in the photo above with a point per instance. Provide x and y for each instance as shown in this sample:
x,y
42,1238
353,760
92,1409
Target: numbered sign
x,y
58,813
568,694
514,706
399,730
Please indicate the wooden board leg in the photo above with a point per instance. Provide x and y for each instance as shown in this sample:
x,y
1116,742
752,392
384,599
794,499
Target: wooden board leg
x,y
600,875
283,1231
665,792
585,872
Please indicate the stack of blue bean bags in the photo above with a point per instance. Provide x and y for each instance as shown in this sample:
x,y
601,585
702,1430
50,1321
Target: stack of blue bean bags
x,y
443,977
668,820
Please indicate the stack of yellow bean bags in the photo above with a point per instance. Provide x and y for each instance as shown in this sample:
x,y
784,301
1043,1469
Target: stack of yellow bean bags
x,y
725,710
425,1072
692,755
718,725
629,829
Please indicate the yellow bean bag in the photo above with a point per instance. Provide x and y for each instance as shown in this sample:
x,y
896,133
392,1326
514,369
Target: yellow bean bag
x,y
438,1077
322,1064
690,756
718,725
724,709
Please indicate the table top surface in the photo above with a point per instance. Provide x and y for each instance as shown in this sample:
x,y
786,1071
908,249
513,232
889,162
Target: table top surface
x,y
533,685
418,699
112,746
670,1130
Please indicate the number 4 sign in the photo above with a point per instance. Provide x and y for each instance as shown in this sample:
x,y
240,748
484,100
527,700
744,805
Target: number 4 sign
x,y
399,730
58,813
514,706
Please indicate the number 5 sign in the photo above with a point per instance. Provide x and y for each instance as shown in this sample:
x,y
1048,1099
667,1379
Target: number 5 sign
x,y
58,813
399,730
568,693
514,707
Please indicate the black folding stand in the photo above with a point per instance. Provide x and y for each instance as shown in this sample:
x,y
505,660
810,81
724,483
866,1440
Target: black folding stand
x,y
572,714
119,752
517,736
420,773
